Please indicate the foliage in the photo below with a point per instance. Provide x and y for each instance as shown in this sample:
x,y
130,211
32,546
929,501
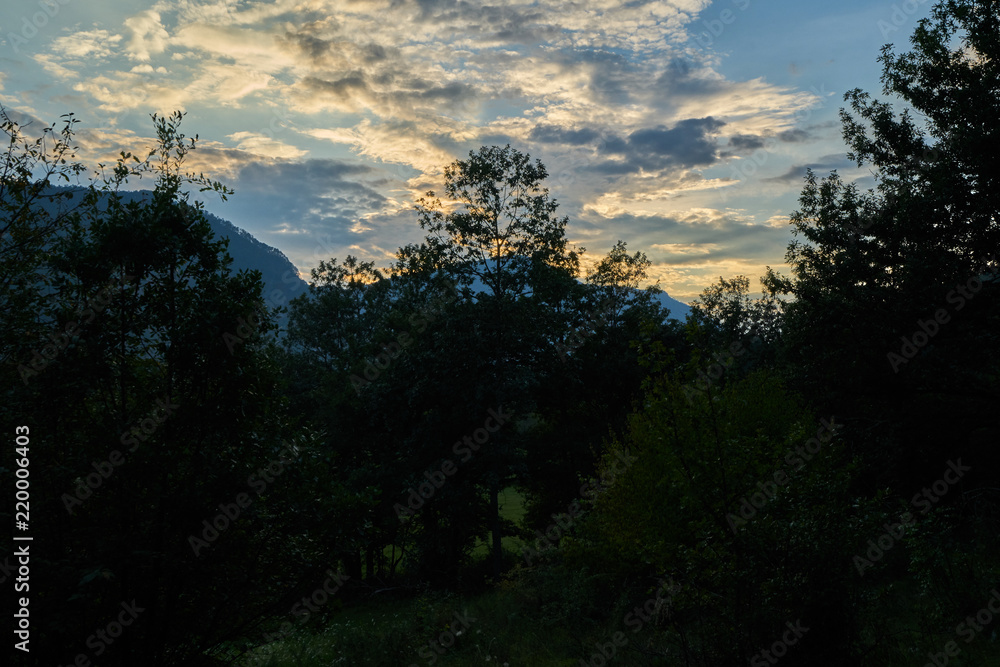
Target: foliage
x,y
895,294
748,456
160,404
748,551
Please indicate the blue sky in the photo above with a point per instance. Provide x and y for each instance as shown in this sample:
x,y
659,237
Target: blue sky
x,y
683,127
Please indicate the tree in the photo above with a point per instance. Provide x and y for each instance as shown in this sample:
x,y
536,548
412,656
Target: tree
x,y
725,316
727,305
504,228
587,391
713,495
616,280
342,352
500,231
160,404
895,289
897,299
32,212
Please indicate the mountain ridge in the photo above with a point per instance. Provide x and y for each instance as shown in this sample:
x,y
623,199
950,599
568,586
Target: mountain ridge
x,y
280,277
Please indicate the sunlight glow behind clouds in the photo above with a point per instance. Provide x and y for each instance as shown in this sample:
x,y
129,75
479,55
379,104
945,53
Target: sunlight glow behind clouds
x,y
635,125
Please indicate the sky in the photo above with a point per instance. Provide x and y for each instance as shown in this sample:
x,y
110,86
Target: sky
x,y
683,127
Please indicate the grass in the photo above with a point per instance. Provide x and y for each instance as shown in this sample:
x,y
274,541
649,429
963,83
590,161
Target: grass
x,y
490,630
549,617
511,508
405,631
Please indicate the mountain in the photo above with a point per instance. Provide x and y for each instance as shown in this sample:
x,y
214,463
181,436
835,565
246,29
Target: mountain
x,y
678,310
280,277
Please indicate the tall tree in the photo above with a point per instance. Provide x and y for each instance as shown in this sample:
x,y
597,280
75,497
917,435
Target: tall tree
x,y
32,212
159,406
895,288
499,237
588,387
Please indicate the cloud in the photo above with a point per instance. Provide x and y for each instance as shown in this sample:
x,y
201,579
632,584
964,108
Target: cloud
x,y
253,49
794,135
227,85
825,164
260,144
689,143
426,147
703,243
149,38
311,208
71,53
745,143
557,135
388,96
31,126
55,66
123,91
686,248
686,144
635,126
86,44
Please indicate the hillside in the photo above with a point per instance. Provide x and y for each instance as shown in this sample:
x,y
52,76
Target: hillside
x,y
281,278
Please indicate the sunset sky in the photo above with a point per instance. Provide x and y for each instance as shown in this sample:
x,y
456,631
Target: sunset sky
x,y
683,127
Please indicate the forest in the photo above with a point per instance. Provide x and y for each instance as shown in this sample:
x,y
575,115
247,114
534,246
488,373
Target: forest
x,y
486,454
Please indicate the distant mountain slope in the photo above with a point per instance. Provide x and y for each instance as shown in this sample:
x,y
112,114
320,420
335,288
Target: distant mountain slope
x,y
678,310
281,279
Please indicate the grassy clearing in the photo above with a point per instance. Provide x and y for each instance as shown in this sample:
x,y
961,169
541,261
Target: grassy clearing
x,y
511,508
